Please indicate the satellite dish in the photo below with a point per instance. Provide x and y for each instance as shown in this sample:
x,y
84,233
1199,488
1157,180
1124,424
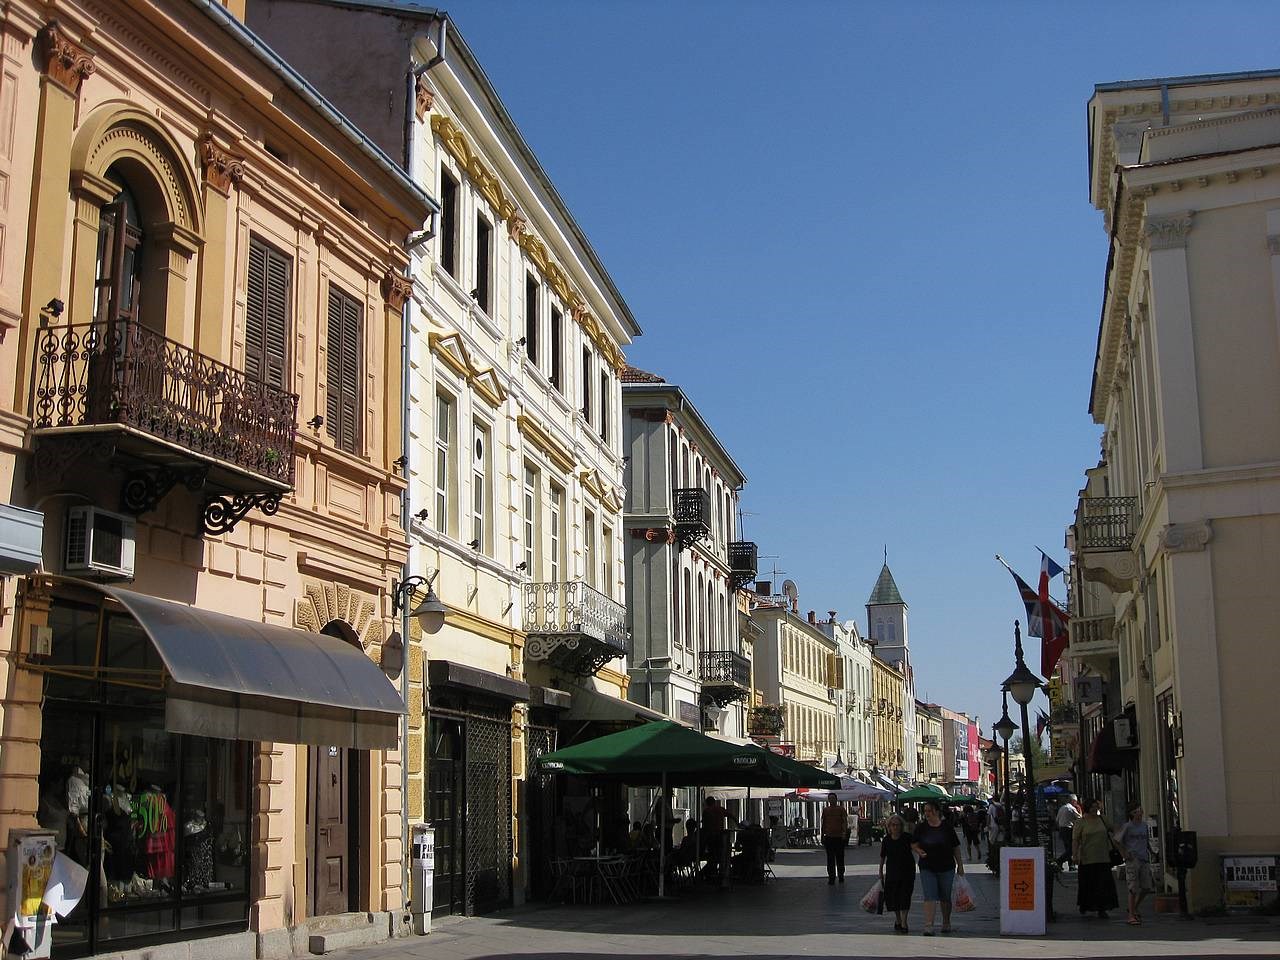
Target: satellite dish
x,y
791,593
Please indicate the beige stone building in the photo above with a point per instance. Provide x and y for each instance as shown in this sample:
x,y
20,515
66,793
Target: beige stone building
x,y
929,742
1173,595
795,665
513,446
201,291
888,690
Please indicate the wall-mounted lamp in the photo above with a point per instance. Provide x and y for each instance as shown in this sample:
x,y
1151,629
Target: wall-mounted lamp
x,y
400,462
474,544
316,422
54,308
430,613
475,294
522,341
522,565
422,515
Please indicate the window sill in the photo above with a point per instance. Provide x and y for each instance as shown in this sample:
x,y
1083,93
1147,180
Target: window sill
x,y
461,552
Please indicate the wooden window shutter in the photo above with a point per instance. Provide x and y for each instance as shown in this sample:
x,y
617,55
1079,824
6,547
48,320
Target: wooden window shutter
x,y
342,406
266,328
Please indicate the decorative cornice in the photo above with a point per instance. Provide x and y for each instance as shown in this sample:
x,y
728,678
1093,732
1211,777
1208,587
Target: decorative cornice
x,y
536,434
453,353
222,171
396,289
424,98
66,63
456,143
1167,233
1186,537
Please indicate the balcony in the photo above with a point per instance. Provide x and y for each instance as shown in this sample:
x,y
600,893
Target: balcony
x,y
1103,541
691,511
163,413
1093,639
743,563
573,627
725,675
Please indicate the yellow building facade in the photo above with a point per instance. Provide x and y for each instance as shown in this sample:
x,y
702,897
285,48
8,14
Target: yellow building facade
x,y
888,690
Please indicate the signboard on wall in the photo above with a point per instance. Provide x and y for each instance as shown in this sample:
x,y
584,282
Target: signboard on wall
x,y
975,759
961,754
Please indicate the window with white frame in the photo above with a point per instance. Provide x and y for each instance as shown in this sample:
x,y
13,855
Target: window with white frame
x,y
587,411
483,291
532,516
531,290
589,546
605,406
480,488
606,561
444,456
557,533
557,344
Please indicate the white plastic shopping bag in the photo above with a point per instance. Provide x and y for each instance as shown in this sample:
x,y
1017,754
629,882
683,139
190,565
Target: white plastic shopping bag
x,y
871,900
961,895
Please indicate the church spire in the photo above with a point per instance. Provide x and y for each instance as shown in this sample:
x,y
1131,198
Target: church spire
x,y
886,590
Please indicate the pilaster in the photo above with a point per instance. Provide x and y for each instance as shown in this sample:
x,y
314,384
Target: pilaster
x,y
222,175
396,290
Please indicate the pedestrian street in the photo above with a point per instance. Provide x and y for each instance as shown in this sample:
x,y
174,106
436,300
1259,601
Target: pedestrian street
x,y
800,915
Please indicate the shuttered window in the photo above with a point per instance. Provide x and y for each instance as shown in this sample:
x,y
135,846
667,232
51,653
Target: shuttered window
x,y
342,408
266,325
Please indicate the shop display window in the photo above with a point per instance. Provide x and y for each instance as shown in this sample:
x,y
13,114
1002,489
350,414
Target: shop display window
x,y
161,820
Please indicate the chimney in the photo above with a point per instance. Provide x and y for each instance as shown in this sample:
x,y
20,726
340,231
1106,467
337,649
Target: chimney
x,y
831,614
813,617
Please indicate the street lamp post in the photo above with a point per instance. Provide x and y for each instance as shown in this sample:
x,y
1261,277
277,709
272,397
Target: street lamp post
x,y
1022,684
1004,728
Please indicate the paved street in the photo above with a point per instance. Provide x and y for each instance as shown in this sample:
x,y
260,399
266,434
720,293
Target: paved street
x,y
800,915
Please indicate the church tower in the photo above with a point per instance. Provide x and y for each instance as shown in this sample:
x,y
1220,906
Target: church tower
x,y
887,627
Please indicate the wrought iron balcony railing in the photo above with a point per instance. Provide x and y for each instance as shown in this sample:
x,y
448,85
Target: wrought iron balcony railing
x,y
574,625
691,511
724,668
743,562
122,373
1106,523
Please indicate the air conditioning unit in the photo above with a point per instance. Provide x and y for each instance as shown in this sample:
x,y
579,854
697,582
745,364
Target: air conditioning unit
x,y
99,542
831,694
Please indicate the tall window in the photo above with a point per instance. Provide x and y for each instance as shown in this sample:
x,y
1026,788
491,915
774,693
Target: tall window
x,y
480,488
484,254
605,412
342,407
444,433
266,325
118,281
557,533
557,361
589,546
531,288
531,516
687,596
449,223
586,384
606,561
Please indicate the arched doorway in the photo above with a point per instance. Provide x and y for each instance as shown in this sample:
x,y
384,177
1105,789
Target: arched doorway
x,y
334,816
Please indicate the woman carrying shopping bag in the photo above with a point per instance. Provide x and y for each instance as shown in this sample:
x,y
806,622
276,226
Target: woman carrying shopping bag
x,y
1095,853
938,848
897,872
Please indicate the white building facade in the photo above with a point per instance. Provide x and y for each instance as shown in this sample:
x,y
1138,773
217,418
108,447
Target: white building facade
x,y
853,694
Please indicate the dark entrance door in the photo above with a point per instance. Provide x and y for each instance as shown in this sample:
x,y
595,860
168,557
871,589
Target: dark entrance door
x,y
331,831
445,813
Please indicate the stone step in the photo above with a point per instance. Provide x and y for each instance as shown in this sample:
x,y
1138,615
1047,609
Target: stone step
x,y
327,934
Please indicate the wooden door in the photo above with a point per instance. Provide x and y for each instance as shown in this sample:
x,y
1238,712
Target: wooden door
x,y
330,831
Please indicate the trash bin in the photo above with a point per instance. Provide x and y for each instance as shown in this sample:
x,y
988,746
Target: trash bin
x,y
422,865
31,856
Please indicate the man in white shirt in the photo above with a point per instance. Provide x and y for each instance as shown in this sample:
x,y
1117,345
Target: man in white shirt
x,y
1068,814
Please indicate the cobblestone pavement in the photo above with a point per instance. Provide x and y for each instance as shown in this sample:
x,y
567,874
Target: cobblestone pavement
x,y
800,915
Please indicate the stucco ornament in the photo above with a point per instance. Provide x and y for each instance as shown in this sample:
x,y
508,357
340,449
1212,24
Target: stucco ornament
x,y
326,602
396,289
1186,537
222,171
1168,233
65,62
424,98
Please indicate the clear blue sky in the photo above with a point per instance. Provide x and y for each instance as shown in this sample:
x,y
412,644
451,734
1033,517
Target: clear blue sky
x,y
859,236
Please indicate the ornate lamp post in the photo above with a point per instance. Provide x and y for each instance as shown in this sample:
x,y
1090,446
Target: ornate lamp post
x,y
1004,728
1023,684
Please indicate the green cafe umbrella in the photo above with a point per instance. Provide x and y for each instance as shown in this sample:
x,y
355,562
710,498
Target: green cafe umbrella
x,y
666,754
925,791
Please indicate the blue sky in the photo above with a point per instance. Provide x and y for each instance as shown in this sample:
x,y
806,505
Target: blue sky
x,y
860,237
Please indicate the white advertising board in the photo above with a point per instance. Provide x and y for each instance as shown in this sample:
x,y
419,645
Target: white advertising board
x,y
1022,906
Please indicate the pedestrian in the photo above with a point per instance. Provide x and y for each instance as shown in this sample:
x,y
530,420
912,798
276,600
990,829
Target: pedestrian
x,y
910,817
938,848
897,872
1135,844
971,824
1091,846
835,834
1068,814
713,835
995,817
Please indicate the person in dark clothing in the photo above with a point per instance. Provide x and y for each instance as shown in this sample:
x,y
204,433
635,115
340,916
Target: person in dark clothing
x,y
713,835
897,872
938,848
835,836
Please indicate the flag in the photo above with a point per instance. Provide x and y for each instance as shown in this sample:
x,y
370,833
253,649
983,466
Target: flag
x,y
1042,721
1045,619
1054,636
